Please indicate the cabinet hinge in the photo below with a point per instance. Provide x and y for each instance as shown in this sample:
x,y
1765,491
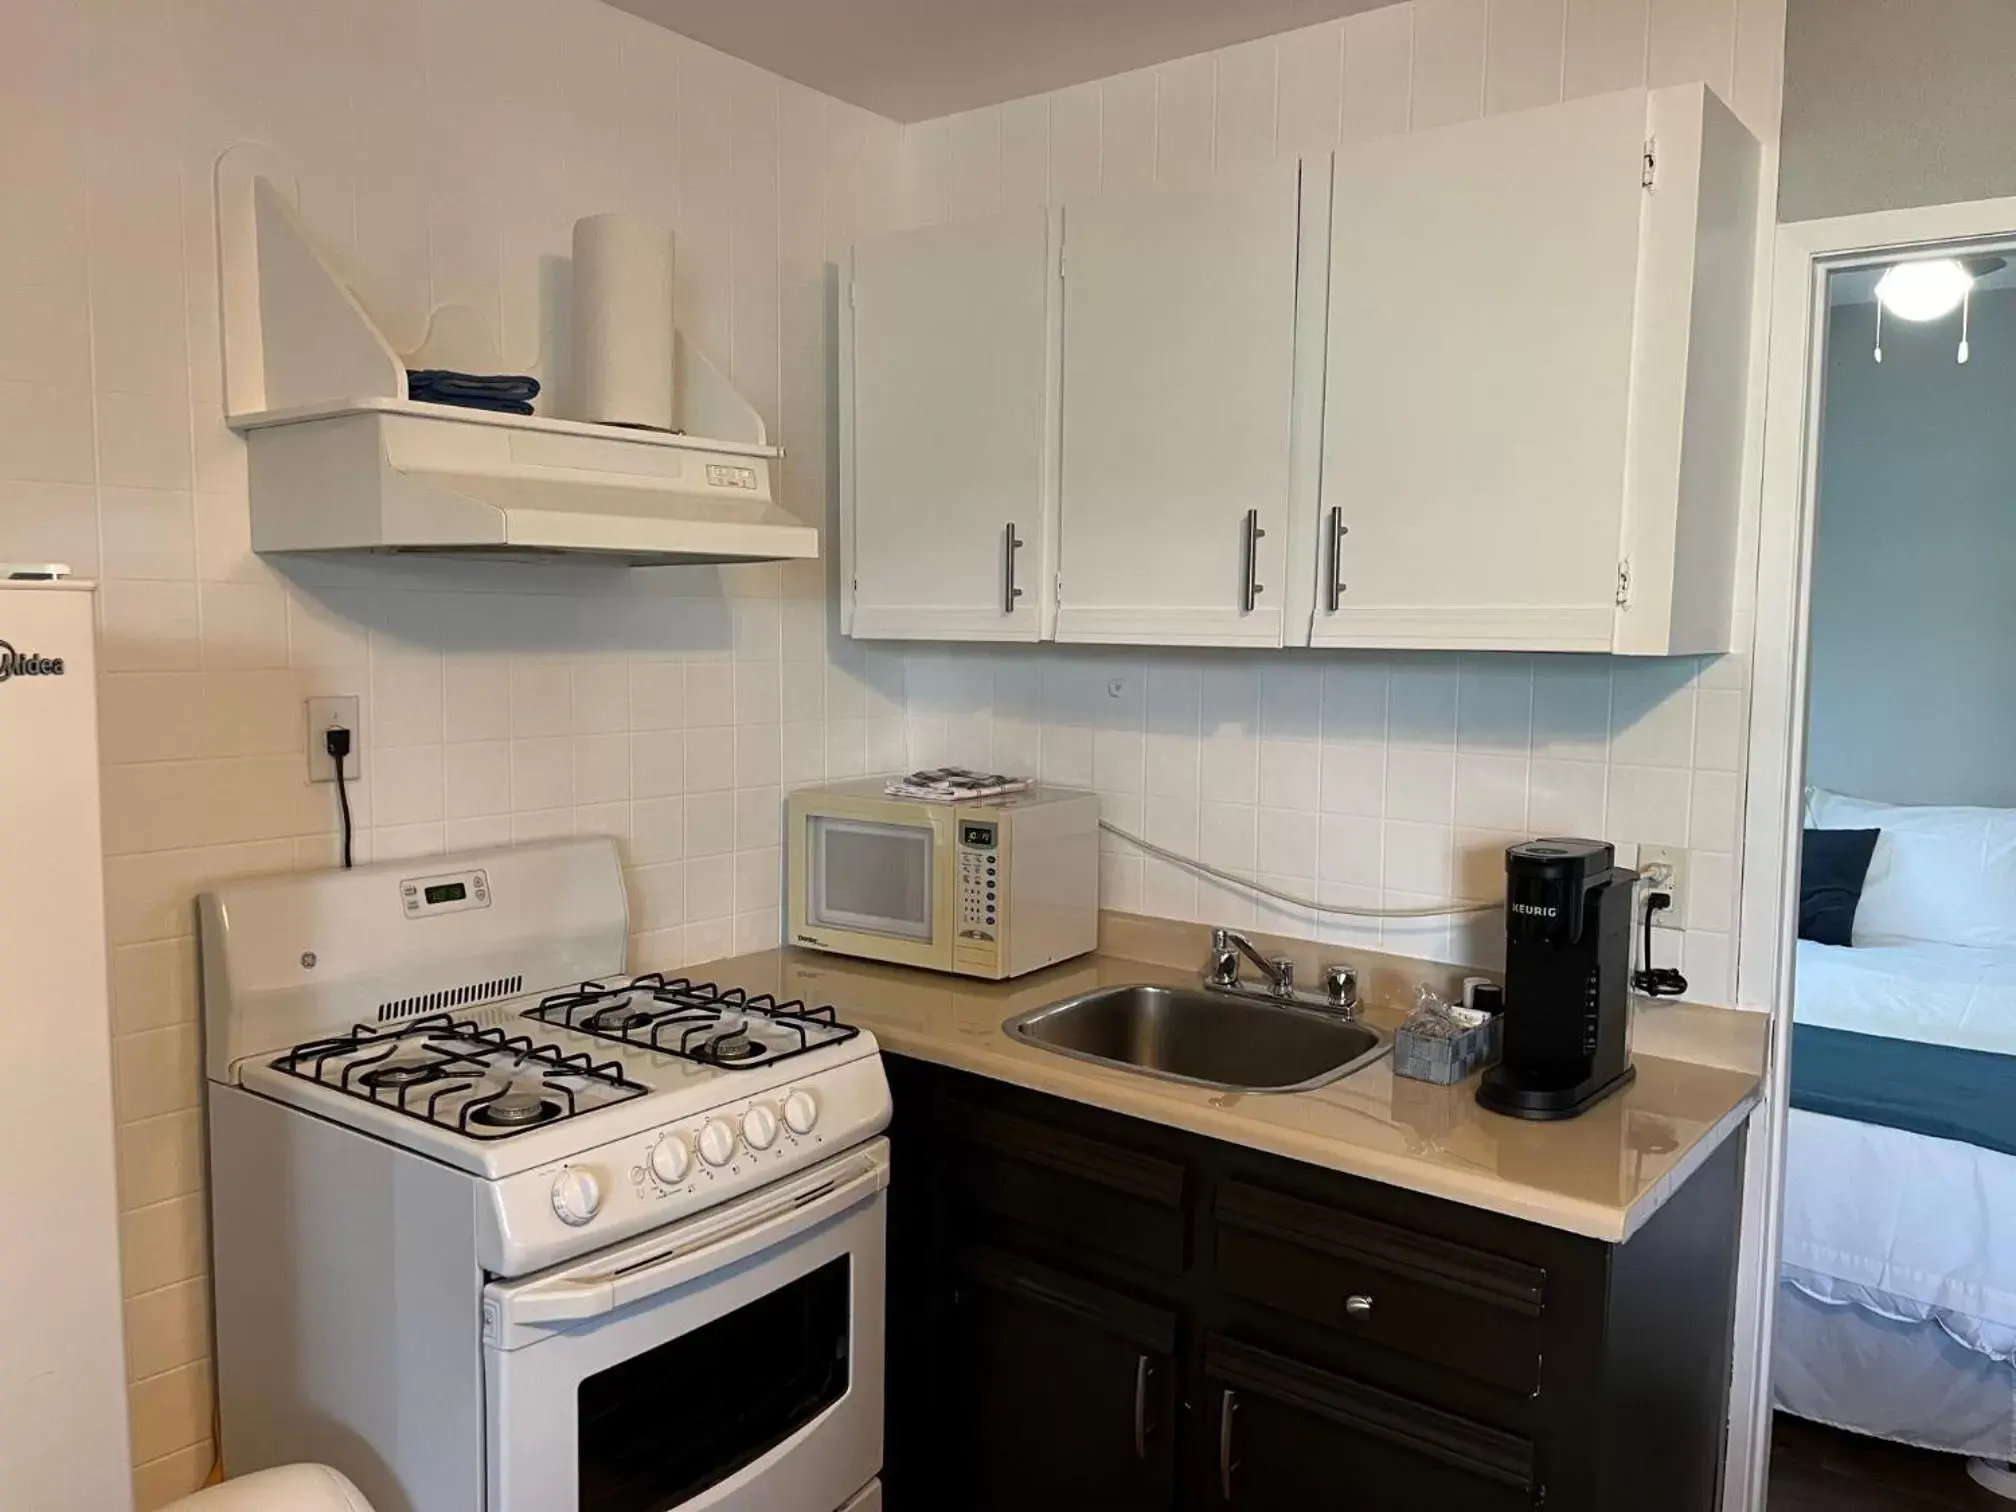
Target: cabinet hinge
x,y
1624,583
1057,588
1651,163
852,301
1063,257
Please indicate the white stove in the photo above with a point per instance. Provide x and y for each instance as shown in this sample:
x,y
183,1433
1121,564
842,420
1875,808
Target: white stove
x,y
463,1161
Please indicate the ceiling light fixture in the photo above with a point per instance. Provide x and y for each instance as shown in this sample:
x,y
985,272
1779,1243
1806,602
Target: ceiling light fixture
x,y
1926,290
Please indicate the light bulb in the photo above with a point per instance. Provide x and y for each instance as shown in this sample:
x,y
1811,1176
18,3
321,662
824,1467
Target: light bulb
x,y
1924,290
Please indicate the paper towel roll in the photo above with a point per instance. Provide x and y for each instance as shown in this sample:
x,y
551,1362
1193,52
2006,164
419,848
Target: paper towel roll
x,y
623,357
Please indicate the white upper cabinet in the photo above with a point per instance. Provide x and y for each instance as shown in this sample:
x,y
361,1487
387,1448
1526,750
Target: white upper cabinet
x,y
1534,409
948,428
1481,387
1178,366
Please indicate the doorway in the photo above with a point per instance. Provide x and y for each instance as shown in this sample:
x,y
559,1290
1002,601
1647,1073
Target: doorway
x,y
1883,1330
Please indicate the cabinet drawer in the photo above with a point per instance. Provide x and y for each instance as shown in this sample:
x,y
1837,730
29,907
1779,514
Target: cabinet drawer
x,y
1458,1308
1062,1186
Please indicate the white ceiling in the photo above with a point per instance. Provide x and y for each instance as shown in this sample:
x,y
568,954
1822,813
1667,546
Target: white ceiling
x,y
911,60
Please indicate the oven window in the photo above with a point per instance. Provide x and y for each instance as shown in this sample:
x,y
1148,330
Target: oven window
x,y
659,1429
871,878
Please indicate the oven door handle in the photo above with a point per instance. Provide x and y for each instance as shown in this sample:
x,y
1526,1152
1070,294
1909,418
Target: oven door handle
x,y
709,1243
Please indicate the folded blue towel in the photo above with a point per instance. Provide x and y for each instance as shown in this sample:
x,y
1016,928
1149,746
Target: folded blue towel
x,y
508,394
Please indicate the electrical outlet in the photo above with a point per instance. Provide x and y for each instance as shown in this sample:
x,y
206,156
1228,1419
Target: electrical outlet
x,y
323,713
1664,868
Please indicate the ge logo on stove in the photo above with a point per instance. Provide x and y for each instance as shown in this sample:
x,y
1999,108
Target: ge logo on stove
x,y
15,664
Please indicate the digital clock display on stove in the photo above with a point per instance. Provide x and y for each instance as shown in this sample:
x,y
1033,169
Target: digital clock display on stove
x,y
447,892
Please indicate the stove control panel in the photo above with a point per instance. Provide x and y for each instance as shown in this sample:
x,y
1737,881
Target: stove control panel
x,y
659,1175
450,892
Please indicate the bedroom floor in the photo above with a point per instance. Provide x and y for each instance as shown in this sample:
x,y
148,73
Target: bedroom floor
x,y
1819,1469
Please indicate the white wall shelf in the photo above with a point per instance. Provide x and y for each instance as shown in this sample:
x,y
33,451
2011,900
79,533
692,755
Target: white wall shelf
x,y
342,459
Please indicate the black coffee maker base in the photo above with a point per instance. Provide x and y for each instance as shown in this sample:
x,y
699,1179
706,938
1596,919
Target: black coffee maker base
x,y
1505,1091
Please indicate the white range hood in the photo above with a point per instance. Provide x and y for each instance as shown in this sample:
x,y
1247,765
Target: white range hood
x,y
340,459
394,475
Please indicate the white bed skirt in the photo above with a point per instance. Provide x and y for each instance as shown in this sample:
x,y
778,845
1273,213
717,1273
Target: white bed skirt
x,y
1838,1364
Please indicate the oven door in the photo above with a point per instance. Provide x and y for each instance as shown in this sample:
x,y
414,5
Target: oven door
x,y
732,1362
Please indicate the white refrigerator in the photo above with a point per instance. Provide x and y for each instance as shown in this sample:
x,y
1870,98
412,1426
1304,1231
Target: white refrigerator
x,y
64,1444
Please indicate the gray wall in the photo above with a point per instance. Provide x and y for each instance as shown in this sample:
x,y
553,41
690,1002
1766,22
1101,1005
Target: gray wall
x,y
1895,103
1914,569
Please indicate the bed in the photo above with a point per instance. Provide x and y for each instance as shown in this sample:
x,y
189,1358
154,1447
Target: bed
x,y
1897,1306
1897,1288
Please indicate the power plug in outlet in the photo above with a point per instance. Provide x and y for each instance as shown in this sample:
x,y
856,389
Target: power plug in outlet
x,y
323,714
1664,868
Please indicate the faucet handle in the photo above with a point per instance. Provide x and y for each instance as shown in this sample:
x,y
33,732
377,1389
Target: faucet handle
x,y
1340,986
1223,968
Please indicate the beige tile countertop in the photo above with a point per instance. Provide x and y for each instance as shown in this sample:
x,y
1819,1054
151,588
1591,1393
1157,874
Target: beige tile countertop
x,y
1602,1175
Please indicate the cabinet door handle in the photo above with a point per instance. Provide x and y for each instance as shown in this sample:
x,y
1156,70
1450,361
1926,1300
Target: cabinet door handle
x,y
1227,1405
1358,1307
1143,1370
1333,591
1010,544
1250,589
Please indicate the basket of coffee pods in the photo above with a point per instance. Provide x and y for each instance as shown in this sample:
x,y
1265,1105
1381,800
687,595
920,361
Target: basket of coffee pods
x,y
1443,1042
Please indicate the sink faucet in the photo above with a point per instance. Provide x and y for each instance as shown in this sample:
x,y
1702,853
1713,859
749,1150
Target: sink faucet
x,y
1221,974
1227,945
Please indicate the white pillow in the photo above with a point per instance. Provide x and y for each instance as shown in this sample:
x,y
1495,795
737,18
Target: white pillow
x,y
1944,875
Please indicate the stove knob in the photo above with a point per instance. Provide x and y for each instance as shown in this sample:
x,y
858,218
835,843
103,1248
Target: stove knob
x,y
717,1143
577,1196
801,1111
759,1126
671,1160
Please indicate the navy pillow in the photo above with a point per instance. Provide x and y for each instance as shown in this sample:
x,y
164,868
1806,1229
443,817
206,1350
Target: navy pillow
x,y
1832,867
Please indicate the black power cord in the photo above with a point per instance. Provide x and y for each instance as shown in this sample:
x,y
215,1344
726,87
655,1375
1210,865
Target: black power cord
x,y
1656,981
336,741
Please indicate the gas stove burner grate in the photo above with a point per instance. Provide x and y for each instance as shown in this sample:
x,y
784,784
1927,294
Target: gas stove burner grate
x,y
697,1021
446,1072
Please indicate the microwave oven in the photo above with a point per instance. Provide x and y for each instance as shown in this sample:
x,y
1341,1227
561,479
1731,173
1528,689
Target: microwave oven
x,y
991,888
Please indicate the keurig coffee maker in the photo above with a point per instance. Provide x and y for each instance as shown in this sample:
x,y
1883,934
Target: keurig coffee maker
x,y
1567,974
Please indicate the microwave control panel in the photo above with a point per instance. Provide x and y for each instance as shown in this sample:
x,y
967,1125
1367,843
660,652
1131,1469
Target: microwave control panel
x,y
979,880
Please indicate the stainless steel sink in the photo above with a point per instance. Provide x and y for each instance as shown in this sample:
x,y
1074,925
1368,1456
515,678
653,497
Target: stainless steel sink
x,y
1206,1038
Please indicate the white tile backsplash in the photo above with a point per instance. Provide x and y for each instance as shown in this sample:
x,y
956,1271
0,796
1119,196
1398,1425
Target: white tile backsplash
x,y
498,704
1367,779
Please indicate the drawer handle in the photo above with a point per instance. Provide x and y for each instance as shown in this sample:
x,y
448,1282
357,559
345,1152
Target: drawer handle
x,y
1358,1307
1227,1405
1142,1370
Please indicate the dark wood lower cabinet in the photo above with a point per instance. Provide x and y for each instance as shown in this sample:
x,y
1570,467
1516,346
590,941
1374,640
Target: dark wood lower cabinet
x,y
1080,1384
1287,1438
1088,1311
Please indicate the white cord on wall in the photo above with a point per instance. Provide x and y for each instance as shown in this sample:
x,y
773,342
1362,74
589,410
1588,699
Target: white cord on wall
x,y
1191,863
